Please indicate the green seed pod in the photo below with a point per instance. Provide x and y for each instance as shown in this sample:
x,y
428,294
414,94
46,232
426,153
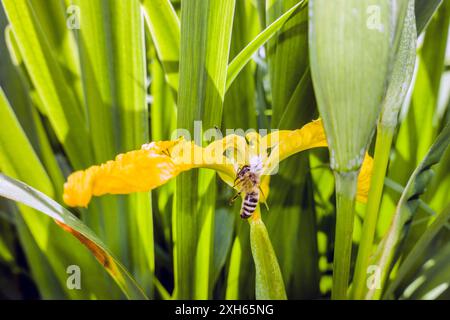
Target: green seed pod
x,y
351,49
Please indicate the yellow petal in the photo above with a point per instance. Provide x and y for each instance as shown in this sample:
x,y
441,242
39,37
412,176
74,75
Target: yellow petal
x,y
285,143
142,170
135,171
213,157
364,178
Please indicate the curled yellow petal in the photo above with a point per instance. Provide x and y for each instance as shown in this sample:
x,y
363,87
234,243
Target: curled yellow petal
x,y
135,171
284,143
143,170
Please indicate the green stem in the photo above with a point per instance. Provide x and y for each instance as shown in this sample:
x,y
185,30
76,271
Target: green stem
x,y
345,193
269,284
381,158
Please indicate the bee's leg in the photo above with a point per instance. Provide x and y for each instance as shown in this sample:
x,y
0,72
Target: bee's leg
x,y
234,198
264,200
237,182
166,152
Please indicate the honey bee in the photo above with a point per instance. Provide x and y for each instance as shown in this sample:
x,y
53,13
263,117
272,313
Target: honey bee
x,y
247,180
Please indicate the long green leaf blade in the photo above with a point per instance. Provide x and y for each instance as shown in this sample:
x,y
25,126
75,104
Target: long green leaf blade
x,y
203,71
164,27
412,261
114,74
246,54
20,192
47,76
425,10
399,83
34,230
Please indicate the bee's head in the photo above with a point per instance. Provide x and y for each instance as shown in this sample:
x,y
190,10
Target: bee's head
x,y
242,171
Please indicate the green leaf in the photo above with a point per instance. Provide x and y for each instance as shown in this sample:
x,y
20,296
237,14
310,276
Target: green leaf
x,y
16,85
163,122
414,260
240,99
240,282
246,54
50,287
98,68
223,236
163,109
422,123
291,221
13,136
407,206
293,211
402,73
22,193
439,189
288,59
128,53
48,78
11,161
114,77
425,10
436,274
399,83
240,96
419,128
7,251
11,81
164,27
54,20
399,190
203,72
34,230
102,112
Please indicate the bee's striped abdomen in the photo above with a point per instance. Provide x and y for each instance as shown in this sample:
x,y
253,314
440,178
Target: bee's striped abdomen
x,y
249,204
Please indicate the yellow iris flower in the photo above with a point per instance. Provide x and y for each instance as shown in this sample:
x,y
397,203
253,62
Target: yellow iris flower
x,y
158,162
